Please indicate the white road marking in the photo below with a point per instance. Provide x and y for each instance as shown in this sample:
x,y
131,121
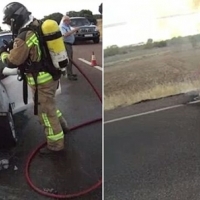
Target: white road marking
x,y
88,63
148,112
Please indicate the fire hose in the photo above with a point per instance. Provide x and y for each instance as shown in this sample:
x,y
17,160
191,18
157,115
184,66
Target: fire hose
x,y
33,154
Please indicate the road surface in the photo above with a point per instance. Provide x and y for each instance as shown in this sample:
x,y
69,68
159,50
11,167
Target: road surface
x,y
81,165
154,155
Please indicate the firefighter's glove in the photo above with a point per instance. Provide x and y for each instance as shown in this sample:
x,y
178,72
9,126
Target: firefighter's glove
x,y
3,53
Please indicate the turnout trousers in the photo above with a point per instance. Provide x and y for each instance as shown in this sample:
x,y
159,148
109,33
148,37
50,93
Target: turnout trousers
x,y
49,115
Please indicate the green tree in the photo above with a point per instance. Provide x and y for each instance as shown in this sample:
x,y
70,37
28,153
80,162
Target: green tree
x,y
111,51
86,13
97,16
73,14
149,44
82,13
54,16
160,44
193,41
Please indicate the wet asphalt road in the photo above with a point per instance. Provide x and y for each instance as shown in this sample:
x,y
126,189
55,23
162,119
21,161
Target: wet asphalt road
x,y
155,156
86,53
81,164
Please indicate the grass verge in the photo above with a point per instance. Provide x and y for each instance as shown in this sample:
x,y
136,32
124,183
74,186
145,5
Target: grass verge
x,y
151,77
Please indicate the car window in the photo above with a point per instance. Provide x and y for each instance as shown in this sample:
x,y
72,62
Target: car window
x,y
79,22
4,37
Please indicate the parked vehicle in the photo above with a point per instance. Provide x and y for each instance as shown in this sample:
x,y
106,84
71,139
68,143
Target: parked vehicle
x,y
87,30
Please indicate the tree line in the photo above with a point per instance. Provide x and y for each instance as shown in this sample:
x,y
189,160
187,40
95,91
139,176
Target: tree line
x,y
82,13
193,40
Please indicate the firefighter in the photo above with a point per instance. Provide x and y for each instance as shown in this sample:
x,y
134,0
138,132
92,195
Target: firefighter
x,y
25,46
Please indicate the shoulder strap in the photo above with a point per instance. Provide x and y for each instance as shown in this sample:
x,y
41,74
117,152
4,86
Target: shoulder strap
x,y
22,35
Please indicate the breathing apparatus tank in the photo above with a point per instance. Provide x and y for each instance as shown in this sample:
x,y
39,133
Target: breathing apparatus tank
x,y
55,44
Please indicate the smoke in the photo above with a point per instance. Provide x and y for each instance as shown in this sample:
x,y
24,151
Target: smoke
x,y
178,23
195,4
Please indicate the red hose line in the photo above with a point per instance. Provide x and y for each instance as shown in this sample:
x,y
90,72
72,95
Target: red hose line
x,y
32,155
88,80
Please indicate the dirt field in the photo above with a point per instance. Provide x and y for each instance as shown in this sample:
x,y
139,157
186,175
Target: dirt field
x,y
150,74
99,25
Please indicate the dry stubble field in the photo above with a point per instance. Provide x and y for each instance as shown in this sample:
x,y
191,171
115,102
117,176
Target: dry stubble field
x,y
99,25
151,76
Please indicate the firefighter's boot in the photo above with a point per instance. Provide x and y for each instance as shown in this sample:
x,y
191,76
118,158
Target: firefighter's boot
x,y
64,125
46,151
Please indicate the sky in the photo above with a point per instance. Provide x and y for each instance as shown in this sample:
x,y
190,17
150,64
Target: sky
x,y
40,8
143,20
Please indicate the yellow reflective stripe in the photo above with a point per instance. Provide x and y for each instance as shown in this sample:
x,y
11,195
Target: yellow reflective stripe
x,y
47,124
4,55
56,137
33,40
41,73
59,114
42,78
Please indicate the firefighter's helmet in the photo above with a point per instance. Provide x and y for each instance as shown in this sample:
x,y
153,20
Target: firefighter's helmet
x,y
15,15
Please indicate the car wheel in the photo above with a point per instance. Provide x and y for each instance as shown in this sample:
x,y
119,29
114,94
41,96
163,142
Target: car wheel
x,y
96,40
